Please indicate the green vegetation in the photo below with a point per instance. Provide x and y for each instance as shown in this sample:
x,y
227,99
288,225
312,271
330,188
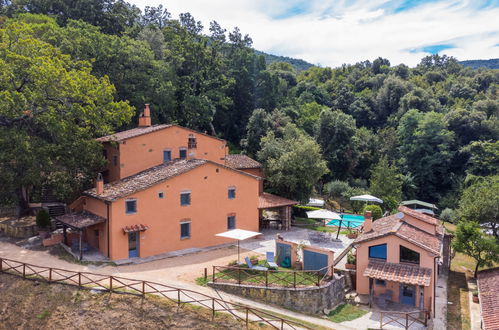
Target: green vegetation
x,y
43,219
492,63
375,209
346,312
43,315
73,73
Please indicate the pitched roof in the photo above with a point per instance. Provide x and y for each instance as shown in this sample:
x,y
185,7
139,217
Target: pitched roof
x,y
268,201
402,273
145,179
416,202
393,225
80,220
241,162
418,215
120,136
488,284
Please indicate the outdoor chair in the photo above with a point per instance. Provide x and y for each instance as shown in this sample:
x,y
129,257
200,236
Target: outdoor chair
x,y
271,260
250,265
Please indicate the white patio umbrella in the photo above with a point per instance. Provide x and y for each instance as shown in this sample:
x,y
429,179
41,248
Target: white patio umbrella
x,y
323,214
239,235
366,198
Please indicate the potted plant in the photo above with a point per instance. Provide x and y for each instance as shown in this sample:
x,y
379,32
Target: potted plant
x,y
475,296
298,264
352,234
254,260
43,223
351,261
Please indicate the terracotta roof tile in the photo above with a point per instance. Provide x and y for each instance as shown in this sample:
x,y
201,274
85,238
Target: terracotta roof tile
x,y
401,273
418,215
135,228
488,288
80,220
268,201
241,162
145,179
120,136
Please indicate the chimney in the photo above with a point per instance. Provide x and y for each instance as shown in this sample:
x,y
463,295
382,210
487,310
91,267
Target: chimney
x,y
368,221
145,117
99,184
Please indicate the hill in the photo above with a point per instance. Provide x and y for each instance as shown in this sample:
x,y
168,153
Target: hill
x,y
492,63
299,64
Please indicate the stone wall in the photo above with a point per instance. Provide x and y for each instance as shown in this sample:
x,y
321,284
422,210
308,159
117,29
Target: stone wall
x,y
311,300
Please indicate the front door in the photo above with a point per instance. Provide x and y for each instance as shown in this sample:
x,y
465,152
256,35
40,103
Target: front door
x,y
408,294
133,245
283,255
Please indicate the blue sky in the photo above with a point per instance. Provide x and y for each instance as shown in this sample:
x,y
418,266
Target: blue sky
x,y
331,33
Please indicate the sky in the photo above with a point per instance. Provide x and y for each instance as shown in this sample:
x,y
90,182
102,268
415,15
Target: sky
x,y
331,33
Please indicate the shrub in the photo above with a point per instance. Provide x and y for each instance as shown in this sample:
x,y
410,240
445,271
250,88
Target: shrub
x,y
351,259
447,215
336,188
43,219
375,210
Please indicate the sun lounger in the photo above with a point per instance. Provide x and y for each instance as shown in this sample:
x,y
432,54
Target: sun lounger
x,y
271,260
250,265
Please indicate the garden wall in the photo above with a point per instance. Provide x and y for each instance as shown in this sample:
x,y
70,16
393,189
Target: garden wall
x,y
312,300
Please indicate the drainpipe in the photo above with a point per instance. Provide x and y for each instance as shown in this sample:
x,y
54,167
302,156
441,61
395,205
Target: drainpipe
x,y
434,283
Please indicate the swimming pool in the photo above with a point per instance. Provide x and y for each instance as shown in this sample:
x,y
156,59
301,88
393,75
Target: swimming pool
x,y
349,220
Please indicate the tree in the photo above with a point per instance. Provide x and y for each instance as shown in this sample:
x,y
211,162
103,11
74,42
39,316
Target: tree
x,y
480,203
471,241
386,184
51,109
375,209
291,164
483,158
389,96
335,135
258,126
448,215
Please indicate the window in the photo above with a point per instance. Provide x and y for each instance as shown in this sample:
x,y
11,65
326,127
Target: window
x,y
185,198
231,222
167,155
377,251
115,160
131,206
183,153
104,153
381,282
232,192
191,143
185,230
161,195
408,255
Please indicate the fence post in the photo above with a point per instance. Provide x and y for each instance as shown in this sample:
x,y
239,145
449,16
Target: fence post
x,y
212,309
24,270
1,265
381,320
266,278
282,324
206,274
406,321
110,284
213,274
239,276
178,297
79,279
143,288
247,317
294,279
50,274
318,278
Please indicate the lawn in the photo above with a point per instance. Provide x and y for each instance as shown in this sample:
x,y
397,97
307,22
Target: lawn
x,y
316,225
346,312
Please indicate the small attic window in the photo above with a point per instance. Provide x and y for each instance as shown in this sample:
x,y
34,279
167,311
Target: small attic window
x,y
192,143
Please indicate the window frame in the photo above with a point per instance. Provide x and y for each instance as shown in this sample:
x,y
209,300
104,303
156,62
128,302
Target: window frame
x,y
188,223
229,218
161,195
379,282
406,260
184,149
231,188
192,142
378,245
126,205
185,192
170,155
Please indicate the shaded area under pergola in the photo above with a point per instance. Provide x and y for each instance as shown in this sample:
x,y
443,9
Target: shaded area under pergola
x,y
78,222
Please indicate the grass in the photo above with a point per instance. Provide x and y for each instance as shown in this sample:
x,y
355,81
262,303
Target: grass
x,y
313,224
294,319
43,315
346,312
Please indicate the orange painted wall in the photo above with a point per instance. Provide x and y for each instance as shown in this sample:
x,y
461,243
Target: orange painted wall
x,y
254,171
113,171
427,227
99,208
393,255
208,211
145,151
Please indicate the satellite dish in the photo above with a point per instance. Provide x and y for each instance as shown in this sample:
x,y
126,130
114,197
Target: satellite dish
x,y
400,215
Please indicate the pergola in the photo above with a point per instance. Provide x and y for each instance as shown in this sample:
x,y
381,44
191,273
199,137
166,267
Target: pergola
x,y
78,222
282,205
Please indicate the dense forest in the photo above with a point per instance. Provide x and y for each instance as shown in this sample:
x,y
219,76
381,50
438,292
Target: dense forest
x,y
75,70
492,63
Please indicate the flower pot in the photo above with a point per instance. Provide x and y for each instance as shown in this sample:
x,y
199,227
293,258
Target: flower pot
x,y
352,235
475,299
254,261
350,266
298,265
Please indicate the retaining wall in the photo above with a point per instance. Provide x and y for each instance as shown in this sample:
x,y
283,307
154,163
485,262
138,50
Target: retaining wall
x,y
312,300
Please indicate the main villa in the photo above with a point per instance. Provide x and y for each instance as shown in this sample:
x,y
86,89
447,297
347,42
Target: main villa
x,y
168,188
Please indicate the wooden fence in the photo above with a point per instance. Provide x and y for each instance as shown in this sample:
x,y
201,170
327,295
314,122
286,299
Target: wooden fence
x,y
404,319
86,280
272,278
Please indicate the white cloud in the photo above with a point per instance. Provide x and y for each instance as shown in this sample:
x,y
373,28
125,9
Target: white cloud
x,y
335,32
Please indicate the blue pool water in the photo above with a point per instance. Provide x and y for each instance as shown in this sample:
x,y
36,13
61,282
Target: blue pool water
x,y
349,220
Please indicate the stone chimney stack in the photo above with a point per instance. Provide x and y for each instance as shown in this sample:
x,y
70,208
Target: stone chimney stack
x,y
145,117
99,184
368,221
